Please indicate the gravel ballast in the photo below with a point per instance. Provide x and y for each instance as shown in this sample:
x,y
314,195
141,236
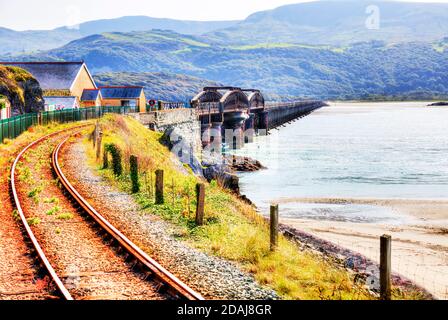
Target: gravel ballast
x,y
213,277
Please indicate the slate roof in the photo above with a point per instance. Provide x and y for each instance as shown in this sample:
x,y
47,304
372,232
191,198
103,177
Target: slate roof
x,y
61,102
51,75
123,92
90,94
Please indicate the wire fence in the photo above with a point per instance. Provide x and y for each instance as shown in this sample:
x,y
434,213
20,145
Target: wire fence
x,y
413,264
11,128
423,268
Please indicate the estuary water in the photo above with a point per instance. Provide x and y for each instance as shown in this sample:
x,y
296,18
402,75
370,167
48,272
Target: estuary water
x,y
352,172
351,150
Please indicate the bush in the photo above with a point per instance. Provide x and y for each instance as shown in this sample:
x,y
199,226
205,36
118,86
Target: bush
x,y
105,158
117,166
133,162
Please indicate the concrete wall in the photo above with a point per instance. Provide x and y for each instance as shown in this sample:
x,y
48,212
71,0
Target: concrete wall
x,y
184,121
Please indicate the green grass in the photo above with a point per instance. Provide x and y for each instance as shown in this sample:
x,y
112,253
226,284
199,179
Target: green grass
x,y
65,216
53,200
33,221
440,47
53,211
34,193
264,46
283,45
180,51
233,230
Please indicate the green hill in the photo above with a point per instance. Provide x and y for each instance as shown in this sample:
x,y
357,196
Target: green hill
x,y
340,22
286,69
12,41
326,22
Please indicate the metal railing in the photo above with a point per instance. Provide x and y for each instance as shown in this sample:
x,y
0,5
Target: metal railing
x,y
167,105
11,128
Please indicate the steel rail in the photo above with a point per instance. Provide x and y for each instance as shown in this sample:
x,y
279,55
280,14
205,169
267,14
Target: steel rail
x,y
60,286
174,286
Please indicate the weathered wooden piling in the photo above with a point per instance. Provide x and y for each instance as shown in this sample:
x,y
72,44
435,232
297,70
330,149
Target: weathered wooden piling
x,y
385,267
274,227
200,203
159,187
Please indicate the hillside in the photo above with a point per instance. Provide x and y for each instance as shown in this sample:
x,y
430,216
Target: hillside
x,y
27,41
21,89
286,69
161,86
337,22
340,22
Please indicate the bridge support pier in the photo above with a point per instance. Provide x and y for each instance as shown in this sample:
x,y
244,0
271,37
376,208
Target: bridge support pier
x,y
249,131
263,122
235,137
205,134
216,137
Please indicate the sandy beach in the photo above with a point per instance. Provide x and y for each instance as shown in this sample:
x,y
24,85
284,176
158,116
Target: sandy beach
x,y
420,243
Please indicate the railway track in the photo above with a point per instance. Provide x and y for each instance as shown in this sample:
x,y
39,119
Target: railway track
x,y
138,263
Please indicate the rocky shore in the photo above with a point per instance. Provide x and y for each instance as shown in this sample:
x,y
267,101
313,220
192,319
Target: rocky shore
x,y
224,171
243,164
438,104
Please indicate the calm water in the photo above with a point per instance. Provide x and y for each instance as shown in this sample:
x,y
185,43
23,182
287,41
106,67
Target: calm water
x,y
393,150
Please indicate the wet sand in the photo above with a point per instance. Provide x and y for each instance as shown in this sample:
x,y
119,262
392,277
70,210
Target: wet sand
x,y
420,242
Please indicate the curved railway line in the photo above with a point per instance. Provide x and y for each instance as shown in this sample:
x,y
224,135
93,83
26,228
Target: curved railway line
x,y
151,275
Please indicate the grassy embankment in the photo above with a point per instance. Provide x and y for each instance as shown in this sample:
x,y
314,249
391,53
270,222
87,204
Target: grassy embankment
x,y
233,229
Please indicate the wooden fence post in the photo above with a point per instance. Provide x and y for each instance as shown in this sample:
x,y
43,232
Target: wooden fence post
x,y
159,187
95,134
200,197
98,145
274,227
385,267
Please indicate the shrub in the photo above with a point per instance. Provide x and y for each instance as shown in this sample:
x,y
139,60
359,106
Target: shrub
x,y
133,164
117,166
105,158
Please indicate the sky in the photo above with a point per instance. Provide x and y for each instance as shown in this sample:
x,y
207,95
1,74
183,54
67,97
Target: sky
x,y
49,14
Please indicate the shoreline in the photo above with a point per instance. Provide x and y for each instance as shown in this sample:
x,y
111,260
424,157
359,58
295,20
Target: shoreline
x,y
420,244
420,247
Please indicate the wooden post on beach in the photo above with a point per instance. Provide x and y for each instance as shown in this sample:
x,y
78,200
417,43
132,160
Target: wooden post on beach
x,y
200,197
159,187
274,227
385,267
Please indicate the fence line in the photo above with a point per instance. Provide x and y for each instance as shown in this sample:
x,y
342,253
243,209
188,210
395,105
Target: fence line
x,y
433,278
11,128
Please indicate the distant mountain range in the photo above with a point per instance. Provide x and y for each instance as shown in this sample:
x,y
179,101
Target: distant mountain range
x,y
337,22
26,41
340,22
327,72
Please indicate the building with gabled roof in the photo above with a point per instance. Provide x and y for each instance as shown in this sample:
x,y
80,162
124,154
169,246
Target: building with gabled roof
x,y
91,98
123,96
